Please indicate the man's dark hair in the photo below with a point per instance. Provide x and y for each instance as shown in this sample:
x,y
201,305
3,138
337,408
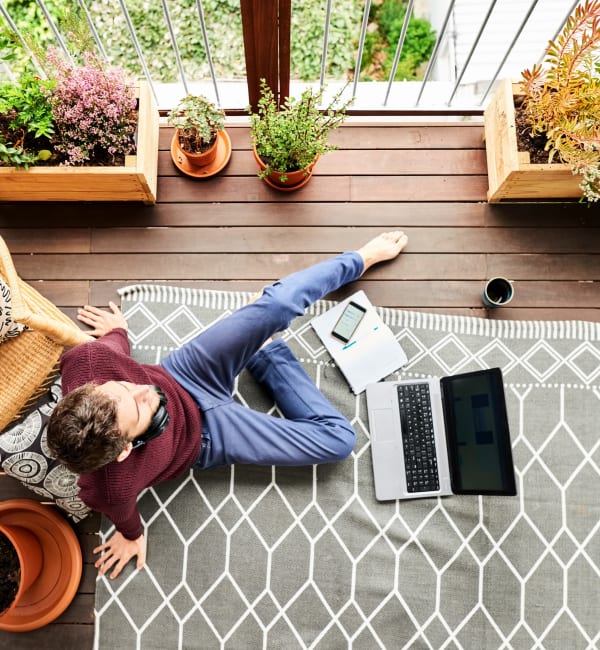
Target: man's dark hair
x,y
83,431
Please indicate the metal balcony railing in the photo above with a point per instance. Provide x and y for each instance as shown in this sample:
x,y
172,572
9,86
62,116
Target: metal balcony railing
x,y
199,43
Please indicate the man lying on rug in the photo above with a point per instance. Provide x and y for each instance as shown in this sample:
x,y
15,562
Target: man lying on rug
x,y
125,426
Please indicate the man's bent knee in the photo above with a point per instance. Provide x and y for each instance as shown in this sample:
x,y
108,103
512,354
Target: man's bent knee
x,y
344,441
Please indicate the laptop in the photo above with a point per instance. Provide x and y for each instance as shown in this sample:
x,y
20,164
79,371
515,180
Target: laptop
x,y
363,347
437,437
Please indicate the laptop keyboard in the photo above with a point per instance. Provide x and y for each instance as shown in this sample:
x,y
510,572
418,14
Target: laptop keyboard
x,y
418,438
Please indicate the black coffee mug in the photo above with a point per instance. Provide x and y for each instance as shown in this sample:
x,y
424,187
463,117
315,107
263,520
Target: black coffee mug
x,y
497,292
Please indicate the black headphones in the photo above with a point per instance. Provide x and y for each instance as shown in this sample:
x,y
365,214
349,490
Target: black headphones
x,y
160,421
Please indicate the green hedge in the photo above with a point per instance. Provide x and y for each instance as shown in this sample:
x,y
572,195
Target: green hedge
x,y
224,28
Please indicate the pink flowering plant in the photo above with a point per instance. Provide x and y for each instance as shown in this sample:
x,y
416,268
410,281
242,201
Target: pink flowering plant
x,y
94,111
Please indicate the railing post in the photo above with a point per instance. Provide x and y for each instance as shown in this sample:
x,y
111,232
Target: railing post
x,y
266,28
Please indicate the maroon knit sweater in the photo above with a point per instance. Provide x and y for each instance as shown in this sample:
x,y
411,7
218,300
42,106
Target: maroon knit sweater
x,y
114,488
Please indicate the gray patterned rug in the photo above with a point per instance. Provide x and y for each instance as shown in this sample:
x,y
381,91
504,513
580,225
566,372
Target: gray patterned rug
x,y
247,558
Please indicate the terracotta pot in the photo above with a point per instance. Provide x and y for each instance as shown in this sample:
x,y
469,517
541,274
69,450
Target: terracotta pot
x,y
55,574
29,552
185,162
294,180
197,159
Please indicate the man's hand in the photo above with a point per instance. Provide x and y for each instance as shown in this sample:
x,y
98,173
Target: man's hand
x,y
118,551
102,321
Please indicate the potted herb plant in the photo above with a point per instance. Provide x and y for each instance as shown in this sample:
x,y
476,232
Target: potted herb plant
x,y
543,134
288,141
200,144
82,131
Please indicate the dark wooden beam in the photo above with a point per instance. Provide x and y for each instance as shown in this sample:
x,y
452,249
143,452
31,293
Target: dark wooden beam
x,y
266,26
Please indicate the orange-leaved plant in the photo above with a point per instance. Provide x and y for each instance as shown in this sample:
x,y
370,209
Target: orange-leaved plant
x,y
562,97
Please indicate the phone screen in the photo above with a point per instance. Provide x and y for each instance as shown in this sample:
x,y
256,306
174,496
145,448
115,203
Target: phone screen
x,y
348,322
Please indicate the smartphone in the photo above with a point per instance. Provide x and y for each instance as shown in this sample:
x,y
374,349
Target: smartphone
x,y
348,322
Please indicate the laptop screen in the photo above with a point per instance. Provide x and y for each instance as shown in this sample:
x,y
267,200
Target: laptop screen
x,y
479,447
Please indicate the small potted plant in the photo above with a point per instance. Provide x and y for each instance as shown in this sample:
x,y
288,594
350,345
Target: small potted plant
x,y
543,134
200,126
288,141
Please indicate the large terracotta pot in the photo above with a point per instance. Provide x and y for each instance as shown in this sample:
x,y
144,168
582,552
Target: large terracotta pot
x,y
294,180
50,569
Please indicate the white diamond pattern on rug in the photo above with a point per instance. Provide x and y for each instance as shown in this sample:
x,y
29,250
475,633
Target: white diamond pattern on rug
x,y
182,325
542,361
142,323
451,354
585,361
498,355
251,557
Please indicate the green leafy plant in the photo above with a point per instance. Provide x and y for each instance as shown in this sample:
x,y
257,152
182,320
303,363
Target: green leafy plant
x,y
198,120
16,156
308,31
26,120
28,105
289,138
380,45
562,97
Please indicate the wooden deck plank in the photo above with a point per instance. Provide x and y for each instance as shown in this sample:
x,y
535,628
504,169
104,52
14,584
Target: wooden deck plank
x,y
59,240
34,222
233,232
410,188
217,266
56,635
67,293
326,239
383,162
328,188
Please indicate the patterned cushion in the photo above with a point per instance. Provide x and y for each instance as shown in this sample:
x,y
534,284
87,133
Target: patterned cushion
x,y
24,454
8,328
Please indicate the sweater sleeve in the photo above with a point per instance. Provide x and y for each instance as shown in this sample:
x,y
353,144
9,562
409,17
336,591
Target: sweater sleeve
x,y
117,340
105,493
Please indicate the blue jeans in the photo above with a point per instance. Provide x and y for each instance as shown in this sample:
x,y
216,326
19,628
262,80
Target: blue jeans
x,y
311,431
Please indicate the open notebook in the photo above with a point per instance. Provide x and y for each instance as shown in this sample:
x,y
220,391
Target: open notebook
x,y
372,352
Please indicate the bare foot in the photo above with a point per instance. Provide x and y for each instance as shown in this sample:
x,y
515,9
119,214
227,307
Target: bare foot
x,y
383,247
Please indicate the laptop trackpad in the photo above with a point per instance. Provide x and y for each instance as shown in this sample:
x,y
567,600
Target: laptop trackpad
x,y
383,425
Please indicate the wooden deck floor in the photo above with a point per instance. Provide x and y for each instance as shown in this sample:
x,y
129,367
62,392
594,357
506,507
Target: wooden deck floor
x,y
233,232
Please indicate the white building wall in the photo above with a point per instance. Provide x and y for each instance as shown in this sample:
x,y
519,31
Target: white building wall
x,y
502,26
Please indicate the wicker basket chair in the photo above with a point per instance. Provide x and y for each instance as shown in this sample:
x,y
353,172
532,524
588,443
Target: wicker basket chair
x,y
29,361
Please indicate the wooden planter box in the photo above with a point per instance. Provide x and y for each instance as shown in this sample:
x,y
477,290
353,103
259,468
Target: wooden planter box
x,y
135,181
510,174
